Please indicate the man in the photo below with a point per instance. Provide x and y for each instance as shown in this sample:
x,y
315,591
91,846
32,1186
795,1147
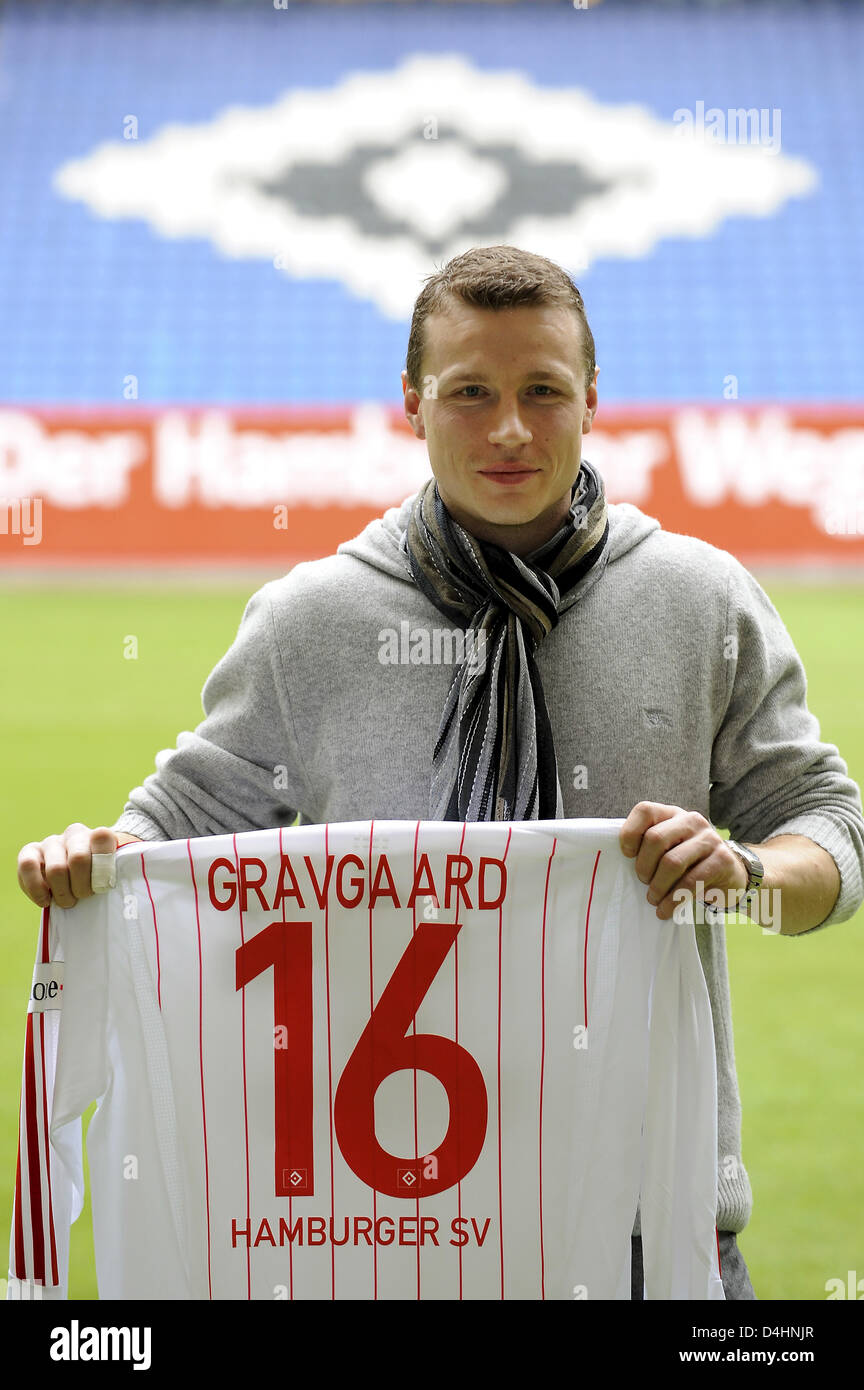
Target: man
x,y
624,671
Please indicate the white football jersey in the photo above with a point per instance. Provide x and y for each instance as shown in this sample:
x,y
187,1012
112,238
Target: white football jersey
x,y
387,1059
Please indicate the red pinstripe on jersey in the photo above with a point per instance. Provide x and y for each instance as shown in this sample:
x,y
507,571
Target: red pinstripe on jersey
x,y
587,920
329,1081
414,1035
543,1061
456,1040
372,1069
34,1240
243,1064
201,1068
498,1082
30,1127
45,1134
155,933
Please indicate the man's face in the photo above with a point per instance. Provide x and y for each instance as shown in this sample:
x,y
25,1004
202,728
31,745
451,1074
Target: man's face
x,y
503,407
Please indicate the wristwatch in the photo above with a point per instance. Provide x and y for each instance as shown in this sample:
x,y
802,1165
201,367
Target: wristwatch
x,y
755,871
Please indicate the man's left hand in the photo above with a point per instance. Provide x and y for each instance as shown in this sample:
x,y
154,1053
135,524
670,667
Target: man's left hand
x,y
678,850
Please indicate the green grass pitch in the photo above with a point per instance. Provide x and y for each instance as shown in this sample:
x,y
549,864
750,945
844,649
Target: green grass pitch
x,y
81,725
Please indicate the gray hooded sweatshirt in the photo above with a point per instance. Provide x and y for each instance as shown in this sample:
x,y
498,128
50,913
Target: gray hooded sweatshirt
x,y
672,679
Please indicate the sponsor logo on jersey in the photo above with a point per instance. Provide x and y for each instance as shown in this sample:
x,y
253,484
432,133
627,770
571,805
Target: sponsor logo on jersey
x,y
46,991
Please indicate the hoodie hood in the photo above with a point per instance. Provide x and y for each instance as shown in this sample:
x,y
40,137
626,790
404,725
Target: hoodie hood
x,y
379,543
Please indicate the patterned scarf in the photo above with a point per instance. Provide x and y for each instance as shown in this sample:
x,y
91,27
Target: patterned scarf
x,y
494,758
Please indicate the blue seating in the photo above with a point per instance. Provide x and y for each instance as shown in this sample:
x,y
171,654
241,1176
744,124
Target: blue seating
x,y
87,300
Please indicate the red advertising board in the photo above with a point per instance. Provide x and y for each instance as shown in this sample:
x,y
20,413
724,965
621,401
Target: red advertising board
x,y
211,486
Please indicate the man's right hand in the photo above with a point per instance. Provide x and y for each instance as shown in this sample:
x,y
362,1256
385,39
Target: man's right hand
x,y
58,868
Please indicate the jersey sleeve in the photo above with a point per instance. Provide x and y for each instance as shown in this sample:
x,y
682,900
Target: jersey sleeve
x,y
49,1180
241,769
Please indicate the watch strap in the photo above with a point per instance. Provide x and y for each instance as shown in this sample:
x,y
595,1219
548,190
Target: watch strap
x,y
755,871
